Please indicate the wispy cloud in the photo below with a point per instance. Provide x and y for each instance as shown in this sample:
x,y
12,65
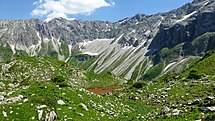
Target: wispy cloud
x,y
62,8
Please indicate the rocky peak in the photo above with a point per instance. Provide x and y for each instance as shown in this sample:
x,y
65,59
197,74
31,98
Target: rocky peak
x,y
200,1
140,17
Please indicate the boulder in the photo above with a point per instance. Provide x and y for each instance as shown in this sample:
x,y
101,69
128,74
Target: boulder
x,y
175,112
84,106
60,102
40,114
52,116
210,109
165,110
4,113
42,106
1,97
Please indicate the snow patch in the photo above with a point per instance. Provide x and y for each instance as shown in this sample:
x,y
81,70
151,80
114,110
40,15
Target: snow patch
x,y
46,40
70,53
173,65
90,53
56,43
119,38
123,21
13,48
206,2
186,17
38,35
133,31
169,65
159,22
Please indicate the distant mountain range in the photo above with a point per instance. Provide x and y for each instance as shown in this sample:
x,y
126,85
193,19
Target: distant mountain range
x,y
141,47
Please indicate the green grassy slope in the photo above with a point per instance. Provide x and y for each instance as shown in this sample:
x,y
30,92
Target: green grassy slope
x,y
44,81
206,65
190,97
39,83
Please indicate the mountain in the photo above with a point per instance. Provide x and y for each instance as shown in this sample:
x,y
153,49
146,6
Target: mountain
x,y
131,48
147,67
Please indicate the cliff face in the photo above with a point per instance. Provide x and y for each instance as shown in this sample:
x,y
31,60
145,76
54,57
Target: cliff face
x,y
184,33
126,48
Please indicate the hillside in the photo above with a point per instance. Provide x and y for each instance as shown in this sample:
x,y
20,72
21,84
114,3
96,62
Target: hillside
x,y
32,88
38,88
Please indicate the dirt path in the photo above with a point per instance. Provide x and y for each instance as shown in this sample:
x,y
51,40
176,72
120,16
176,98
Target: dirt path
x,y
103,91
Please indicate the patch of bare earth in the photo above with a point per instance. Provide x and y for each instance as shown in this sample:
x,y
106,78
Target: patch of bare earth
x,y
104,90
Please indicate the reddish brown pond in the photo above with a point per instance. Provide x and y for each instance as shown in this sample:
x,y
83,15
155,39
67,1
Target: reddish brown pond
x,y
104,90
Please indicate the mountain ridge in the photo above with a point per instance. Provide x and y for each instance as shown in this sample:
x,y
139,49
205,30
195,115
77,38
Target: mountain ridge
x,y
124,45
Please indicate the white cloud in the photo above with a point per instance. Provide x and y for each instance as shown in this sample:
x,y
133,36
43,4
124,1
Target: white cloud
x,y
62,8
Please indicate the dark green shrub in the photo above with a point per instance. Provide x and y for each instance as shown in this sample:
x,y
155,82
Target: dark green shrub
x,y
51,102
139,84
63,84
58,79
109,73
130,82
209,53
194,75
210,117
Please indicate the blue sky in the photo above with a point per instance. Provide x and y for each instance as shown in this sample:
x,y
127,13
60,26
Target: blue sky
x,y
106,10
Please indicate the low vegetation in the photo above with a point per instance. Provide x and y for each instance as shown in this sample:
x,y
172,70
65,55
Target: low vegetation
x,y
31,85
